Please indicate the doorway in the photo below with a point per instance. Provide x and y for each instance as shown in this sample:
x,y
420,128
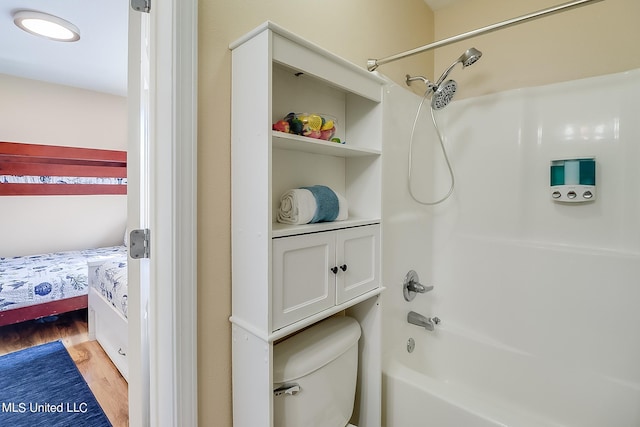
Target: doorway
x,y
168,396
167,319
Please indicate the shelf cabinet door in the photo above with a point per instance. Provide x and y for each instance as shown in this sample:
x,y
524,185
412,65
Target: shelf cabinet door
x,y
358,257
303,283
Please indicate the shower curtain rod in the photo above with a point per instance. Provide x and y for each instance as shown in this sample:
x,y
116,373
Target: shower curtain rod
x,y
372,64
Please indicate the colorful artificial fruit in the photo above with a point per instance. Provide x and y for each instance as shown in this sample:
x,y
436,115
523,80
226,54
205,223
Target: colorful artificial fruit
x,y
281,126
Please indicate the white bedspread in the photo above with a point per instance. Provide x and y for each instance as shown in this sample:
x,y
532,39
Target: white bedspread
x,y
37,279
111,282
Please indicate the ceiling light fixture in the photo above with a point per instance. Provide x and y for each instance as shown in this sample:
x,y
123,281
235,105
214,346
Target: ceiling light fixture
x,y
45,25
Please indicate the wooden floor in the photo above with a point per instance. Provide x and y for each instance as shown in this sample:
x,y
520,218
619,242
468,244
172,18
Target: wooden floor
x,y
106,383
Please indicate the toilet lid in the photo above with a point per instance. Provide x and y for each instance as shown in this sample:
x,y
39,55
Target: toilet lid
x,y
313,348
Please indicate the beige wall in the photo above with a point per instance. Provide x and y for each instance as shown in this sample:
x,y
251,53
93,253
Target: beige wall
x,y
355,30
585,42
600,38
44,113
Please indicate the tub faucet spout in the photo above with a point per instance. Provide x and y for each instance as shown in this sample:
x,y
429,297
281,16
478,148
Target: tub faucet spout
x,y
426,322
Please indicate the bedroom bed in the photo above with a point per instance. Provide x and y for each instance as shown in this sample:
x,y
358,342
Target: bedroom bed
x,y
39,286
108,303
52,171
45,285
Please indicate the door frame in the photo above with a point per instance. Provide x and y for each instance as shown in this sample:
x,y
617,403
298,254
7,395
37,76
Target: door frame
x,y
172,316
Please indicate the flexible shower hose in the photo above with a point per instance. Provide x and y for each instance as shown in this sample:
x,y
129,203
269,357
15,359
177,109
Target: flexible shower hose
x,y
444,152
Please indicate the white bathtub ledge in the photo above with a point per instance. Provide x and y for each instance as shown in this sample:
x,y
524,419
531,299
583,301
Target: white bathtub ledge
x,y
411,396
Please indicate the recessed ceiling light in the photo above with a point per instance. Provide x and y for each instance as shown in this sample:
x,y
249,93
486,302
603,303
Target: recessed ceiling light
x,y
45,25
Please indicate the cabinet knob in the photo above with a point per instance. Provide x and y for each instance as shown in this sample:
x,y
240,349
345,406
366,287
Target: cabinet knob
x,y
334,270
343,267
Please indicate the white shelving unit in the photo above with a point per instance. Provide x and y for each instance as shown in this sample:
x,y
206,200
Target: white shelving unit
x,y
288,277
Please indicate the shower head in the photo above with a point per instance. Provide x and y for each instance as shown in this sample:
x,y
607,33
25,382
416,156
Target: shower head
x,y
469,57
440,95
443,91
443,94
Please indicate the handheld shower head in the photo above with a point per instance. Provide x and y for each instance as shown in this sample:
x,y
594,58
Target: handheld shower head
x,y
469,57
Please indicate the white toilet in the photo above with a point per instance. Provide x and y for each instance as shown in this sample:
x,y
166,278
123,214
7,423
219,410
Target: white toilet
x,y
314,375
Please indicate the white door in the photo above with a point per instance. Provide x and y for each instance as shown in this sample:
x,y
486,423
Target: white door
x,y
162,198
358,257
303,282
138,215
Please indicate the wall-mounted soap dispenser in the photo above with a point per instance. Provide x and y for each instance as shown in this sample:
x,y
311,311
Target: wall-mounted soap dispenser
x,y
573,180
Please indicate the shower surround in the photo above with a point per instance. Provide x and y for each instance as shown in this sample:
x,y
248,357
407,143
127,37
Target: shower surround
x,y
539,300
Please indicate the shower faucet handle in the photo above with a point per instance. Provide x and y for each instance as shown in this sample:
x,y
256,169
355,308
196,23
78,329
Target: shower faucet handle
x,y
418,288
411,286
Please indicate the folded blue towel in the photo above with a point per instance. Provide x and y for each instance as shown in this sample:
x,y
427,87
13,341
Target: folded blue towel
x,y
328,205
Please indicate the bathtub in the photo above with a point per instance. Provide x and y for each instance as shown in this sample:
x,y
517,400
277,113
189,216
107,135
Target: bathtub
x,y
457,379
538,300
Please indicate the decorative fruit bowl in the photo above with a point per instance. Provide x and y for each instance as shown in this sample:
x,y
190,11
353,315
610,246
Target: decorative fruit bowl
x,y
312,125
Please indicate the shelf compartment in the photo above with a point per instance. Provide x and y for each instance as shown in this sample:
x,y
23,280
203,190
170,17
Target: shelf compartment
x,y
332,70
287,141
308,321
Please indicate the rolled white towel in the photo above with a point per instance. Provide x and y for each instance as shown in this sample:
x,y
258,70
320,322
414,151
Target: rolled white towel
x,y
297,206
343,213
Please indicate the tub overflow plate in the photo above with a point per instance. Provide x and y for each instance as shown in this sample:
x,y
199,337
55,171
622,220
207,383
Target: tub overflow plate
x,y
411,345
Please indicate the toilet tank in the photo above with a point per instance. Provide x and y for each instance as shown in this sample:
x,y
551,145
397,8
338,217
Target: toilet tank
x,y
314,375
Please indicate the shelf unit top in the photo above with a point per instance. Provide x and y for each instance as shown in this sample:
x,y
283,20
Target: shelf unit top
x,y
269,25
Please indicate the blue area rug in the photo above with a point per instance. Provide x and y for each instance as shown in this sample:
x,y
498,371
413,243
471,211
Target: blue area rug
x,y
41,386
